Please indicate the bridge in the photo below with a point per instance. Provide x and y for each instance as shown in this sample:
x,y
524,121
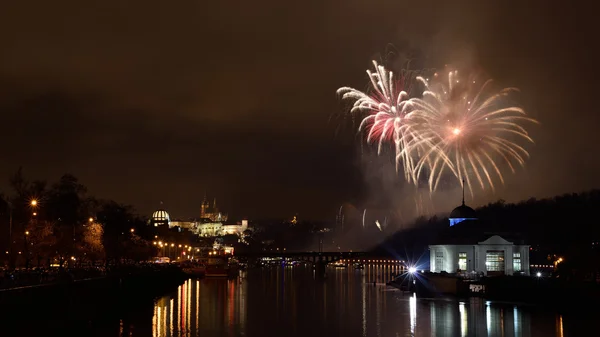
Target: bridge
x,y
312,257
320,260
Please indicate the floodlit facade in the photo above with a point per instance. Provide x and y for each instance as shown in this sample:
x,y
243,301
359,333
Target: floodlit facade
x,y
210,228
189,225
160,218
211,223
494,256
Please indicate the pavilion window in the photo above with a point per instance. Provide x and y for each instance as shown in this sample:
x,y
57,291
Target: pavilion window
x,y
517,262
494,260
462,261
439,261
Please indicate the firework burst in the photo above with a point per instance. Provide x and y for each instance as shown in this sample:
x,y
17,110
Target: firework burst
x,y
387,116
463,127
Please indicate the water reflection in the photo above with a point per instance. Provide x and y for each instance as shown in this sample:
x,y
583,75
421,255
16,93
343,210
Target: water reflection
x,y
287,301
413,314
201,306
464,321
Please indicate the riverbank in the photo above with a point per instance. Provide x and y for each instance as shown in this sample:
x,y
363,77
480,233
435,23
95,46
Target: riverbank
x,y
82,298
531,290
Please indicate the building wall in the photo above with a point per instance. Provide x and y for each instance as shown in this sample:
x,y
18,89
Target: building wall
x,y
232,229
217,228
508,250
210,229
450,257
446,257
182,224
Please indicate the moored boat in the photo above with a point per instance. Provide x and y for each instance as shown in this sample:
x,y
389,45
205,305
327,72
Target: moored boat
x,y
220,267
216,271
193,269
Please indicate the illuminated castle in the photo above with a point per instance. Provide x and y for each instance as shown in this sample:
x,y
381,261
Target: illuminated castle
x,y
212,213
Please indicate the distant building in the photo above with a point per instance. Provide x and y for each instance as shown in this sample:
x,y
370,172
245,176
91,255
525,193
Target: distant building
x,y
210,228
212,222
189,225
237,228
160,218
212,213
207,227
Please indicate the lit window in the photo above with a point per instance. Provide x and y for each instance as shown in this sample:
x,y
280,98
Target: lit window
x,y
494,260
462,261
517,262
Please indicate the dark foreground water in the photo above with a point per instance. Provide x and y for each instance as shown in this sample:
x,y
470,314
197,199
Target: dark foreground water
x,y
287,301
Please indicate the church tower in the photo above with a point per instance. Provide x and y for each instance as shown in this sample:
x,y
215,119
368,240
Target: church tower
x,y
203,207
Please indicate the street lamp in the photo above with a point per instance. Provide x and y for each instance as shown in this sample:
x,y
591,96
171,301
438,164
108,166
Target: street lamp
x,y
33,202
26,250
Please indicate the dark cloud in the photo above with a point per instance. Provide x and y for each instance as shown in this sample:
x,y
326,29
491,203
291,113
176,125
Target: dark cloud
x,y
152,100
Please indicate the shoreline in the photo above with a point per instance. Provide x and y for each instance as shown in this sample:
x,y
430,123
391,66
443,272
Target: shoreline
x,y
529,291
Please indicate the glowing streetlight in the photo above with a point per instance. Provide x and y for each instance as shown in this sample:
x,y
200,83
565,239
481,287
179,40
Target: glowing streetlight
x,y
412,270
91,219
538,274
132,230
33,202
26,232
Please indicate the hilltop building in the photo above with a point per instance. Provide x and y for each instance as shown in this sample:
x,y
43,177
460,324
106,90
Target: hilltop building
x,y
212,213
212,222
160,218
211,228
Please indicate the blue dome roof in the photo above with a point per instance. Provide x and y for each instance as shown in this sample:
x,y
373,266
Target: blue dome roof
x,y
463,212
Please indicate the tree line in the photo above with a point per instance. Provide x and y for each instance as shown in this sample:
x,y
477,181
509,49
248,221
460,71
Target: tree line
x,y
567,225
61,223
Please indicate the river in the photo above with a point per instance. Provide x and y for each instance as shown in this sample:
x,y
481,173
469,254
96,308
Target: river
x,y
288,301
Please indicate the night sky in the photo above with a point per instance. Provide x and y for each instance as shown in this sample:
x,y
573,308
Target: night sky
x,y
150,101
